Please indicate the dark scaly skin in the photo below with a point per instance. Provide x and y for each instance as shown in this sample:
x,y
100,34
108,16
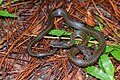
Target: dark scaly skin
x,y
79,26
84,63
94,33
40,36
51,15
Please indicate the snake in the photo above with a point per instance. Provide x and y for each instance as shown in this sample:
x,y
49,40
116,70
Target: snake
x,y
82,30
50,25
40,36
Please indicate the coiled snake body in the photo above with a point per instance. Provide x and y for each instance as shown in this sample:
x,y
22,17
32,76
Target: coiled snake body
x,y
82,30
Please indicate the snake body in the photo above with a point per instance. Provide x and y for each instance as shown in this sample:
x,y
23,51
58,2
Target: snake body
x,y
40,36
73,51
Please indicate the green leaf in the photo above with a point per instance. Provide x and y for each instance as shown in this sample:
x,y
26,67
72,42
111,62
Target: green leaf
x,y
76,42
92,38
97,73
100,19
116,54
100,65
59,33
115,51
107,65
116,47
56,32
90,44
108,49
1,2
13,1
101,26
67,33
6,14
97,28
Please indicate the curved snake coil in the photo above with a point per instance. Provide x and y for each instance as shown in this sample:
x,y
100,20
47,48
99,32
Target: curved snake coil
x,y
82,30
